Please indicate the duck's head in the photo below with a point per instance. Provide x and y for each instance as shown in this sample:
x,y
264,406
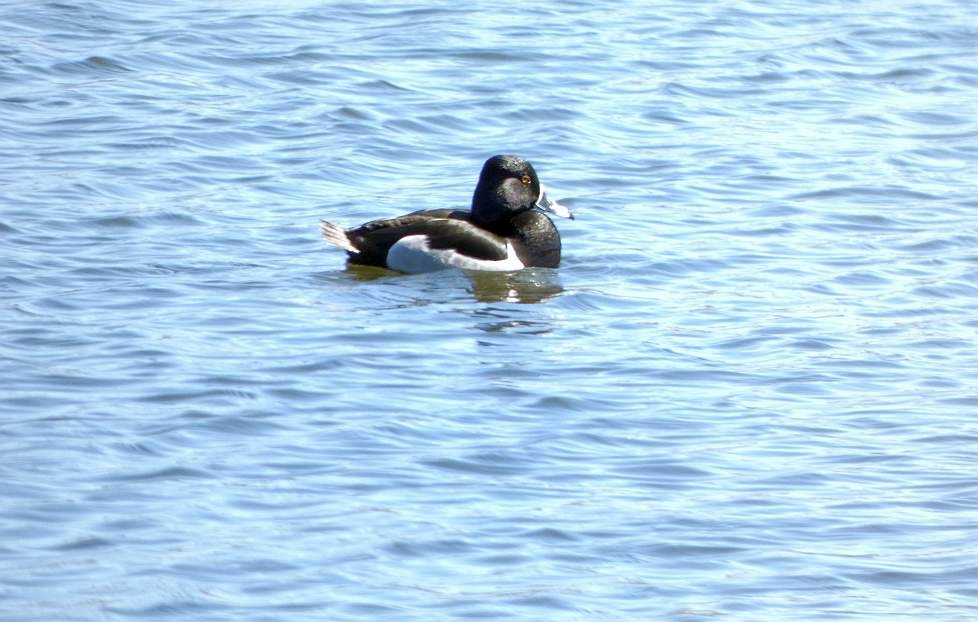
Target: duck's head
x,y
508,186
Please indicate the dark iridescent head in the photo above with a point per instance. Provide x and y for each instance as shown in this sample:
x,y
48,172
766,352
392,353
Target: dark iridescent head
x,y
509,186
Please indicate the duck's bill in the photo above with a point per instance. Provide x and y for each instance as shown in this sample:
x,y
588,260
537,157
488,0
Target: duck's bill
x,y
549,205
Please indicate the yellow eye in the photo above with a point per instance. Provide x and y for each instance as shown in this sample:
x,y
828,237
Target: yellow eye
x,y
525,179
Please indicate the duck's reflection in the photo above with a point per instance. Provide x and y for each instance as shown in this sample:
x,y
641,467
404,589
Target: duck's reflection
x,y
527,286
360,272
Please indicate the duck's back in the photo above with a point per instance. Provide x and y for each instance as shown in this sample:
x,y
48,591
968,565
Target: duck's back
x,y
374,240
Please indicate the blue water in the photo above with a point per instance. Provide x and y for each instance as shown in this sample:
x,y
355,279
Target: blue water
x,y
750,392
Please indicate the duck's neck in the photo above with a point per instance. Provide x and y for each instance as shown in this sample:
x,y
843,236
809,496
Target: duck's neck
x,y
492,215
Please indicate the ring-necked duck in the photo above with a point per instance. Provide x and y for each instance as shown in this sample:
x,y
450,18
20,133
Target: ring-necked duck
x,y
505,229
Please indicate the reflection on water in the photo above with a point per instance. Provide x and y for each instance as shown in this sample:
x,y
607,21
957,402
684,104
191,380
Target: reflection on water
x,y
367,273
527,286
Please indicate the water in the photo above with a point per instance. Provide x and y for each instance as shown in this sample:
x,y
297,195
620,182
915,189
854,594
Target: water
x,y
748,393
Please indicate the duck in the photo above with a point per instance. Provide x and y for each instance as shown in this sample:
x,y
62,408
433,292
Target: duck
x,y
506,228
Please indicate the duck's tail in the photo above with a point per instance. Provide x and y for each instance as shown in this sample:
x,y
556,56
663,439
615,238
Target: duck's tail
x,y
336,235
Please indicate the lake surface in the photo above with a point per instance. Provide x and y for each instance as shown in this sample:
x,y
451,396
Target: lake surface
x,y
750,392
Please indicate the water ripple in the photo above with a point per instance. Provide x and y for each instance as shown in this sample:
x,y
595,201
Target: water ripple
x,y
746,392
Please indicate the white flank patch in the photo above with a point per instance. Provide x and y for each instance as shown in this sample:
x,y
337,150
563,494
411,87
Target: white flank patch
x,y
336,235
412,254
